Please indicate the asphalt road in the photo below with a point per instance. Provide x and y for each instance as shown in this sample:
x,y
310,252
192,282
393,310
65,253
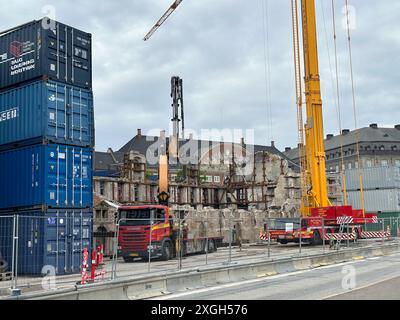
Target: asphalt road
x,y
140,268
372,278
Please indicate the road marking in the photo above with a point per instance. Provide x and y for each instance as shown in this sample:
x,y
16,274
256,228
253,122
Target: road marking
x,y
360,288
230,285
358,258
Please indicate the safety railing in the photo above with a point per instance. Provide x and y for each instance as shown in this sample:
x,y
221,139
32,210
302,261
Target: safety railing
x,y
57,251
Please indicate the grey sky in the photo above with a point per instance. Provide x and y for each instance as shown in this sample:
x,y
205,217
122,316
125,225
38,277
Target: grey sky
x,y
217,48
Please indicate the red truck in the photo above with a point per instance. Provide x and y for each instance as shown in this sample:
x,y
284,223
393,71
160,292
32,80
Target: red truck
x,y
168,233
323,223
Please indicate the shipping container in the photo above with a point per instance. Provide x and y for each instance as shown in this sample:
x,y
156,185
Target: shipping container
x,y
384,200
46,49
46,111
52,175
373,178
51,241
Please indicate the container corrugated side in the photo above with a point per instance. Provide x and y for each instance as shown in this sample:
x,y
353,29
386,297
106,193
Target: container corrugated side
x,y
385,200
47,241
373,178
56,176
46,111
45,49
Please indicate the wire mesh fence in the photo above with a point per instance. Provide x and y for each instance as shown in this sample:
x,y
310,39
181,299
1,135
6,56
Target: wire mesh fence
x,y
46,252
36,249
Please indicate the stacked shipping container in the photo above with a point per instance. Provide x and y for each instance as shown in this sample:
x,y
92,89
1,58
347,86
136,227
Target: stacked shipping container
x,y
46,146
381,188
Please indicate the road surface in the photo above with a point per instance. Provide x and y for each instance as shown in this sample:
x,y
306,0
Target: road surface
x,y
371,278
140,268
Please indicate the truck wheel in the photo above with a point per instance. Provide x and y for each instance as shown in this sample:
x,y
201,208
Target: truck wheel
x,y
166,251
128,259
183,250
316,240
327,233
211,246
283,241
356,234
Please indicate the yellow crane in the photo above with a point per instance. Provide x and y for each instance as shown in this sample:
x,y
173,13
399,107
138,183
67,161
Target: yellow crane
x,y
312,153
311,134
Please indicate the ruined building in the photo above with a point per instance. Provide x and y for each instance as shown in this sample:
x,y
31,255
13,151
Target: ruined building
x,y
220,176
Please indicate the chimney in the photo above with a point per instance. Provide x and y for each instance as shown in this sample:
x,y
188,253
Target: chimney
x,y
190,136
345,131
242,141
273,143
162,134
373,125
397,126
288,149
139,132
329,136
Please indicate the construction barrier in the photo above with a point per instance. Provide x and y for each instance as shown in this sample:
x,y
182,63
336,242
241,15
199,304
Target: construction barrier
x,y
84,266
97,260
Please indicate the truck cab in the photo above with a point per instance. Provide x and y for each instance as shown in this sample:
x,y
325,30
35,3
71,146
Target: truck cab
x,y
144,229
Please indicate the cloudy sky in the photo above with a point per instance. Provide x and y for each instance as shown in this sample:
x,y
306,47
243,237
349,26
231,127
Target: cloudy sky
x,y
217,47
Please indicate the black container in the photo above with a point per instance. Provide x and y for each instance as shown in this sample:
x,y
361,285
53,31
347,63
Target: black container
x,y
47,49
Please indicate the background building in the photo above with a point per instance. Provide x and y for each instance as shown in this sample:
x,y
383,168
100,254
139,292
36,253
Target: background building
x,y
221,175
378,147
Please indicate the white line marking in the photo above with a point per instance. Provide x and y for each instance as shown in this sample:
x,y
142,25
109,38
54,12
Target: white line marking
x,y
360,288
230,285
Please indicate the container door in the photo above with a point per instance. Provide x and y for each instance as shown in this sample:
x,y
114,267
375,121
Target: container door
x,y
6,241
30,244
57,194
81,58
56,235
69,55
80,235
81,105
57,111
81,177
56,52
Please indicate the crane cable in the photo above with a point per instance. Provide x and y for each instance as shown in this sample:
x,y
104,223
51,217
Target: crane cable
x,y
339,107
354,106
267,65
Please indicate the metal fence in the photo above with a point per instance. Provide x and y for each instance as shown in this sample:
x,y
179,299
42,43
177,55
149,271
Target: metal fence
x,y
38,249
47,252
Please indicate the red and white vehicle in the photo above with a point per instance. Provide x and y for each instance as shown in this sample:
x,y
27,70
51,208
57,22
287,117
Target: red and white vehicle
x,y
323,224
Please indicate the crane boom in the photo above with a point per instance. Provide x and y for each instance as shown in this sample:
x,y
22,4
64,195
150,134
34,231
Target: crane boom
x,y
314,133
165,16
311,136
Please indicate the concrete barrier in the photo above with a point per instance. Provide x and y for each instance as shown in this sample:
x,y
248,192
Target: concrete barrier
x,y
302,263
152,286
146,289
285,266
265,270
184,282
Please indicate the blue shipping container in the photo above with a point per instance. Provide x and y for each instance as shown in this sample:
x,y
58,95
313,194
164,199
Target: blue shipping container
x,y
45,48
56,176
51,241
46,111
